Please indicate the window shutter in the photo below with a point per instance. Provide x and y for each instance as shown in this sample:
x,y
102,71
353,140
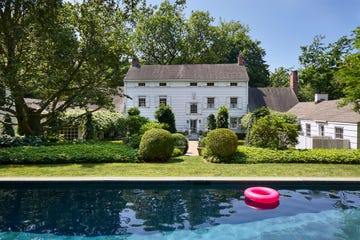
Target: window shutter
x,y
168,101
147,101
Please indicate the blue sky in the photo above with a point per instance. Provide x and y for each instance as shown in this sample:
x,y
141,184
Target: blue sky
x,y
283,26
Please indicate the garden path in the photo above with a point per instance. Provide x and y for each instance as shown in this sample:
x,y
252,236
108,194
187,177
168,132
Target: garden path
x,y
192,151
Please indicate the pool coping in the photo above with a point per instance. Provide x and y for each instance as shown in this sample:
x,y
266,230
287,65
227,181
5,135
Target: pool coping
x,y
178,179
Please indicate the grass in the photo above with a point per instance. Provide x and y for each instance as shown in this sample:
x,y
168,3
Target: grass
x,y
181,167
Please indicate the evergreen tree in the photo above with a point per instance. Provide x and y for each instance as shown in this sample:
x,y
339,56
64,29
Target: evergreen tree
x,y
222,118
164,114
211,122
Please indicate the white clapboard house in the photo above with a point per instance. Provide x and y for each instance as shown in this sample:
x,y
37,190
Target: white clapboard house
x,y
324,124
192,91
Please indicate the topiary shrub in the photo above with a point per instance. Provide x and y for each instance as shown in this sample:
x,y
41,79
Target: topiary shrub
x,y
181,142
156,145
221,142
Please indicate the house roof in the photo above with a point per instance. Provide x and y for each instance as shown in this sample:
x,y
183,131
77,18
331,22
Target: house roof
x,y
325,111
277,99
117,100
188,72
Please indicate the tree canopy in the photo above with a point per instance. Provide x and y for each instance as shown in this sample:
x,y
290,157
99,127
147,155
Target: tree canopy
x,y
65,55
349,75
280,77
320,62
167,37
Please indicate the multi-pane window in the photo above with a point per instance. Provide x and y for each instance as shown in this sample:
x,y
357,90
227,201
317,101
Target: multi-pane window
x,y
163,100
233,102
233,84
233,122
339,133
210,84
193,108
210,102
70,133
142,102
193,84
321,130
308,130
162,84
141,84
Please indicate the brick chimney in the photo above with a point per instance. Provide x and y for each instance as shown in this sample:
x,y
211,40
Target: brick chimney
x,y
135,62
241,60
294,81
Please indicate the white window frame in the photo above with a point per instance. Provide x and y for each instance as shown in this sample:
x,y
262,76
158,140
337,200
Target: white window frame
x,y
193,84
162,84
307,129
339,132
162,99
233,84
143,100
141,84
70,133
234,105
191,108
210,104
321,130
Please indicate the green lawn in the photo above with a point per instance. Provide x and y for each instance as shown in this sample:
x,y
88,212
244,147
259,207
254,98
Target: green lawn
x,y
182,166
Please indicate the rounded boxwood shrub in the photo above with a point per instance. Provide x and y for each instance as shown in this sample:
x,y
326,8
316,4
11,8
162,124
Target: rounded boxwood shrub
x,y
221,142
156,145
181,142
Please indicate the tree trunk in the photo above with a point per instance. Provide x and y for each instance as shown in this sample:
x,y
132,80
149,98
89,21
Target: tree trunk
x,y
29,121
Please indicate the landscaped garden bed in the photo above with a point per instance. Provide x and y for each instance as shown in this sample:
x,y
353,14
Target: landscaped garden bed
x,y
97,152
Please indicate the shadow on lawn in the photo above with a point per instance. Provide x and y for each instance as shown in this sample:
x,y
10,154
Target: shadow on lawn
x,y
175,160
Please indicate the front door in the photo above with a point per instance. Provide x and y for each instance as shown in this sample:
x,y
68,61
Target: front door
x,y
193,126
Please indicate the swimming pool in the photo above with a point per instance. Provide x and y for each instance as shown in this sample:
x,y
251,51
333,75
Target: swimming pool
x,y
179,210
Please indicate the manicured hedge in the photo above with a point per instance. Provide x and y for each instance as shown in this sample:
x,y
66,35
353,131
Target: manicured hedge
x,y
75,153
157,145
221,142
262,155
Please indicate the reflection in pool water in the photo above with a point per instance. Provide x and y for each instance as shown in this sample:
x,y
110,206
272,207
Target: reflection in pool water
x,y
174,211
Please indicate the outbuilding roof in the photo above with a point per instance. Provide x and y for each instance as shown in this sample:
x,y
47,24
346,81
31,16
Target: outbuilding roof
x,y
188,72
277,99
325,111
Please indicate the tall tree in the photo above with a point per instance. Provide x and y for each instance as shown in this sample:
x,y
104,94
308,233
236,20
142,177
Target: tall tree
x,y
62,54
349,75
320,63
167,37
233,40
159,38
280,77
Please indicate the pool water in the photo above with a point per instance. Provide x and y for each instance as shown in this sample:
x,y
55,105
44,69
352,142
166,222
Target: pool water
x,y
181,210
